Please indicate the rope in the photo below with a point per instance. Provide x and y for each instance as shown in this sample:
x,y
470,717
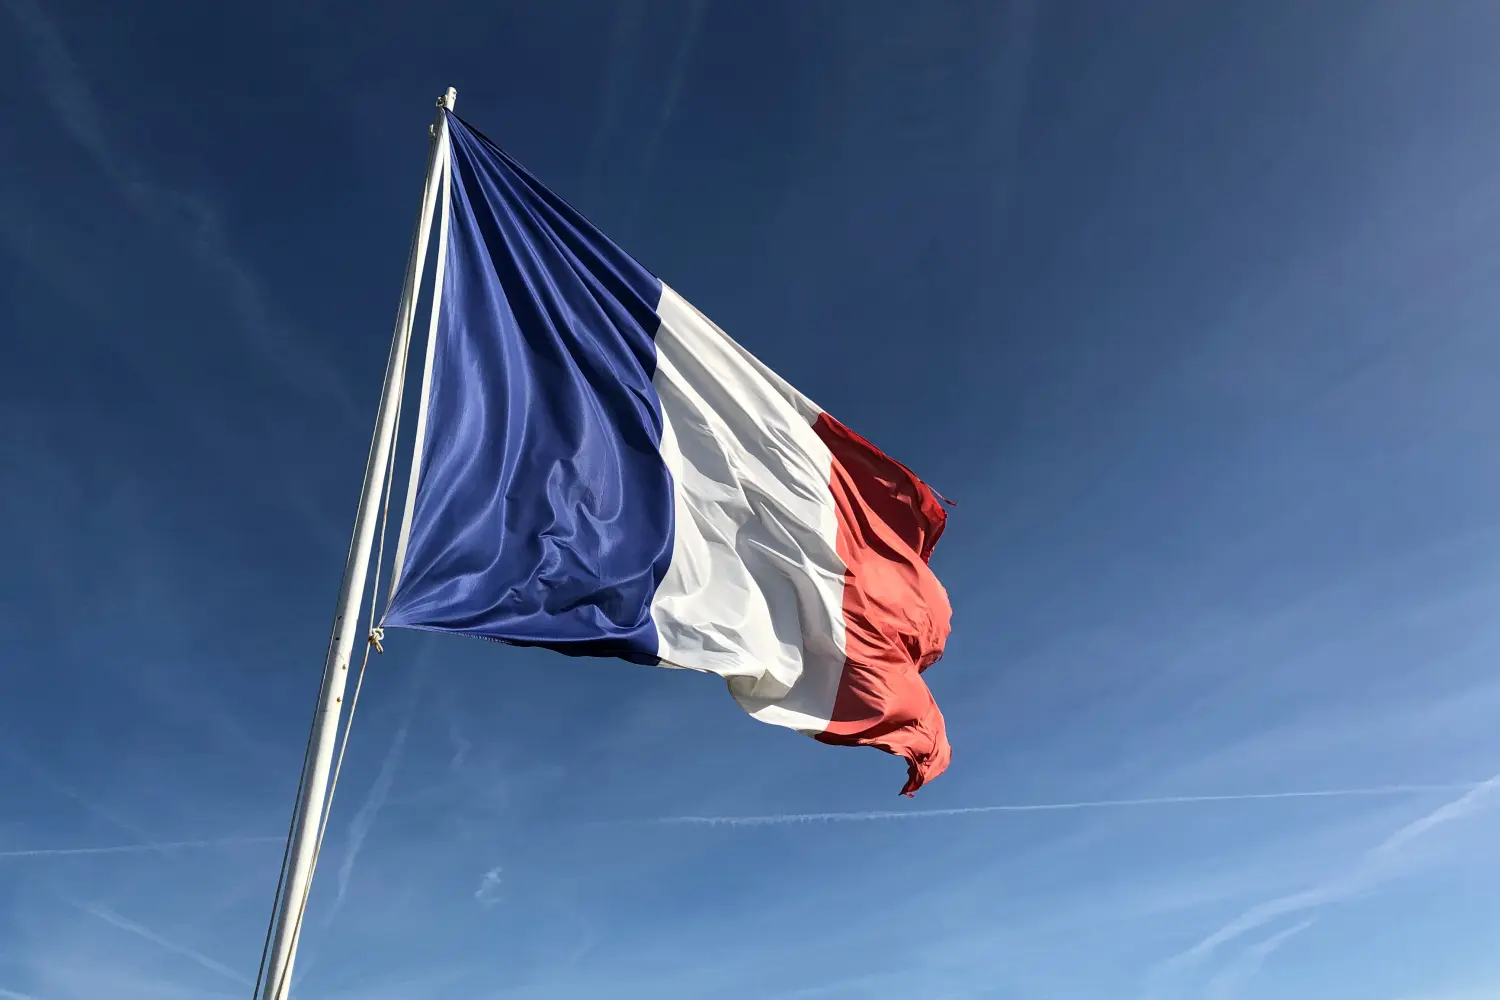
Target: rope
x,y
374,637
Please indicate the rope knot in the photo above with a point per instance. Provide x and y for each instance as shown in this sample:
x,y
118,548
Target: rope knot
x,y
377,636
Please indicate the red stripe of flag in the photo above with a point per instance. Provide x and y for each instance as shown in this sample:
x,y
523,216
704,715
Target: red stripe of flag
x,y
896,613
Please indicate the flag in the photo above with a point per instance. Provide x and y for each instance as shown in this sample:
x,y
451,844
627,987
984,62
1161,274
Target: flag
x,y
604,472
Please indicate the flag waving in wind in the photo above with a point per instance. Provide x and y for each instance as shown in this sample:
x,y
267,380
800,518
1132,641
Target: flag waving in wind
x,y
601,471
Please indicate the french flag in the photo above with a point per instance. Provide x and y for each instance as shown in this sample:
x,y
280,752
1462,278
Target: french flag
x,y
602,471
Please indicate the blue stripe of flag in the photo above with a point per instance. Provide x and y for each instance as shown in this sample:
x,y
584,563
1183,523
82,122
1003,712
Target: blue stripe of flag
x,y
544,512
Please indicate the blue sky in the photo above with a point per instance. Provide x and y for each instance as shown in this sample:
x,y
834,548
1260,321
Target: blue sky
x,y
1190,306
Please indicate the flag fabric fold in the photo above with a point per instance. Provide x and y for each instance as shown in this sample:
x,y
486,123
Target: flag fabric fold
x,y
605,472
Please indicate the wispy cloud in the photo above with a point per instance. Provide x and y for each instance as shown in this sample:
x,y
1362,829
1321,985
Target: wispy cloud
x,y
681,60
191,219
787,819
6,994
130,926
56,784
1229,982
1376,865
612,84
359,827
462,746
150,848
488,892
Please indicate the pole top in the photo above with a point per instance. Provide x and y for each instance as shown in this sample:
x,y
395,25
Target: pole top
x,y
448,99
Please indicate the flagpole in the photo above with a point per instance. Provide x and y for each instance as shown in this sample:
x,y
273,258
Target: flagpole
x,y
312,795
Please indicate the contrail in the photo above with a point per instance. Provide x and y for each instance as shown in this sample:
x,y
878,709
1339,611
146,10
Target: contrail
x,y
785,819
109,916
173,845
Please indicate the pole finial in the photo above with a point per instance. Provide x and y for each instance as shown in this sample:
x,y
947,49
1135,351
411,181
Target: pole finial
x,y
449,99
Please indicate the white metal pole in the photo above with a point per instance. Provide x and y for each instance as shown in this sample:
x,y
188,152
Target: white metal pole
x,y
311,798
